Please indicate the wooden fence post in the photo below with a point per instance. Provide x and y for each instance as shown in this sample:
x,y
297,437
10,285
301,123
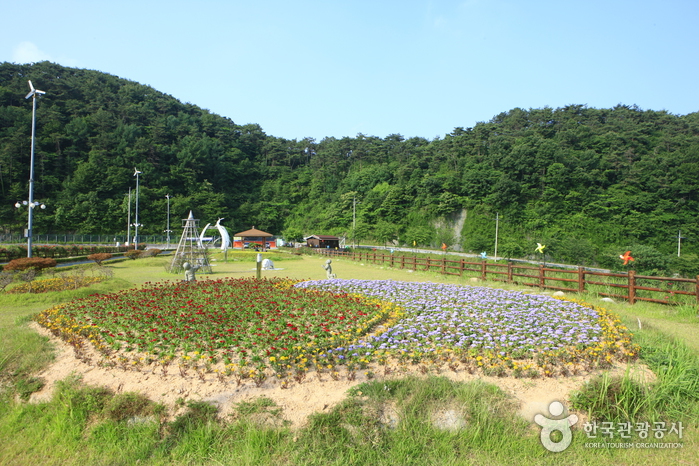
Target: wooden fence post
x,y
509,271
483,270
581,279
632,287
542,278
461,270
696,289
402,262
444,265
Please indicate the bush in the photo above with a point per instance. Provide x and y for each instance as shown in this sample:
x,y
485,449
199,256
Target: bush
x,y
5,279
151,252
133,254
37,263
99,257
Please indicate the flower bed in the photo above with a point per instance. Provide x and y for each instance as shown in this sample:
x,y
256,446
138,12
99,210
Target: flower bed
x,y
497,330
263,323
46,285
250,328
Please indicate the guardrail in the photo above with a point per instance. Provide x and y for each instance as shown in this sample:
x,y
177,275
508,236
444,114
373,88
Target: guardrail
x,y
628,286
14,238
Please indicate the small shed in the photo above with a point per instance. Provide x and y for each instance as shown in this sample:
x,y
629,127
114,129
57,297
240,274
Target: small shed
x,y
252,237
323,241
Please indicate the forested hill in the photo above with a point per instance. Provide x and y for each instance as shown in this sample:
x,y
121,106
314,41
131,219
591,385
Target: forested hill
x,y
586,182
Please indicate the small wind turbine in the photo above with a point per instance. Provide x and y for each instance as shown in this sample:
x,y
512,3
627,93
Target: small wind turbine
x,y
136,225
626,257
540,249
32,93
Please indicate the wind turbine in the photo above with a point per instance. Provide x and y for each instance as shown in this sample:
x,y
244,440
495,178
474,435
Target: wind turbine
x,y
136,225
32,93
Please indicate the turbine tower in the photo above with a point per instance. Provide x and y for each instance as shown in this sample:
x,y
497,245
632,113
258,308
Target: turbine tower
x,y
32,93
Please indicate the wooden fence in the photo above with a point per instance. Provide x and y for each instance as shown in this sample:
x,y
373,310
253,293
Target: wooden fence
x,y
628,286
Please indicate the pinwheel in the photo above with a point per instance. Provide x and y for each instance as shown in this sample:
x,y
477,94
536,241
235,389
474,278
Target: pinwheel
x,y
484,255
540,247
626,257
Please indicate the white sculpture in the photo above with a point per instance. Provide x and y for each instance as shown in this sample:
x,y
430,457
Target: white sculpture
x,y
225,238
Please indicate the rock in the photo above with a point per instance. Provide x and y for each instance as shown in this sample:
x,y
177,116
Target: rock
x,y
608,300
448,420
559,293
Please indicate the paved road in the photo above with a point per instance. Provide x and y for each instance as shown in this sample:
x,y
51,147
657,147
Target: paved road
x,y
478,256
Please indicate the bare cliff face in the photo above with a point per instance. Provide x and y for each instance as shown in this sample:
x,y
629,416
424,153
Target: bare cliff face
x,y
450,227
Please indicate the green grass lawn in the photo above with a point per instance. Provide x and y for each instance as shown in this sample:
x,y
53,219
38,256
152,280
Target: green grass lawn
x,y
379,422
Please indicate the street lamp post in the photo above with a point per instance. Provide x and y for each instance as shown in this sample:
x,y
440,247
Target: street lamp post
x,y
31,204
128,222
136,225
168,231
354,219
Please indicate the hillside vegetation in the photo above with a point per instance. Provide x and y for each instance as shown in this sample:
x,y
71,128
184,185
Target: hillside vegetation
x,y
589,183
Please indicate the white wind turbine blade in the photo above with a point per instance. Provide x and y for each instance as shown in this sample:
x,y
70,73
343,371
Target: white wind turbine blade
x,y
31,90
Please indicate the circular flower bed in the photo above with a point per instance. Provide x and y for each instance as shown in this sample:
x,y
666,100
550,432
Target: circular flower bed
x,y
251,328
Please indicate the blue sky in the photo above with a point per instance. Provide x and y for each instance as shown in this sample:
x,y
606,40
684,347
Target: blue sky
x,y
339,68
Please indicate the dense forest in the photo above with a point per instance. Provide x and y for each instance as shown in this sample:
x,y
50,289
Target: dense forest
x,y
589,183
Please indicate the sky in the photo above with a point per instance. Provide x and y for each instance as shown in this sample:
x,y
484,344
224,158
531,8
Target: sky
x,y
332,68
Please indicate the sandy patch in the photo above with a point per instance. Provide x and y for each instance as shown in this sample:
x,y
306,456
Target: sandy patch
x,y
298,400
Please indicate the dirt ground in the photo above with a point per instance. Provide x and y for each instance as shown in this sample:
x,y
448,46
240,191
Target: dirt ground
x,y
297,400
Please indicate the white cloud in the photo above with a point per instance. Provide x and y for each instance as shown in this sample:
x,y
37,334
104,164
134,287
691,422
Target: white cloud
x,y
26,52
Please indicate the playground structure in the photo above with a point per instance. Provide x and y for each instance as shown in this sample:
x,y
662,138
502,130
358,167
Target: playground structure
x,y
190,248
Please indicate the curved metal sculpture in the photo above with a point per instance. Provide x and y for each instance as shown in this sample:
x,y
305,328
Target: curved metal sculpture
x,y
225,237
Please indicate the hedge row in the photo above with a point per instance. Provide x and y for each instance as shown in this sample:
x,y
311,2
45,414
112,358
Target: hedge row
x,y
18,251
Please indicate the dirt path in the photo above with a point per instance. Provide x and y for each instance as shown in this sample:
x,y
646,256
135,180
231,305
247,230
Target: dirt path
x,y
298,400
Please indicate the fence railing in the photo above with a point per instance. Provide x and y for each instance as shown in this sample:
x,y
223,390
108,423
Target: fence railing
x,y
14,238
628,286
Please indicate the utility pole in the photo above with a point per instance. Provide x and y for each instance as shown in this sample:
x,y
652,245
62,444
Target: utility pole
x,y
497,222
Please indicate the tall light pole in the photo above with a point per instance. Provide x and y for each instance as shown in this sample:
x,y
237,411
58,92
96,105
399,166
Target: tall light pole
x,y
31,204
354,219
128,221
497,224
136,225
168,231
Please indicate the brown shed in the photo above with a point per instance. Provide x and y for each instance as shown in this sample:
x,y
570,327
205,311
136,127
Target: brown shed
x,y
323,241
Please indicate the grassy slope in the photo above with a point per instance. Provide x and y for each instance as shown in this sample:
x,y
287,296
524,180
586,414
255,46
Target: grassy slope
x,y
60,433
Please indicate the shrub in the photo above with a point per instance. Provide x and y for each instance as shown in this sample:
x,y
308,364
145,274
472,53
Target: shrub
x,y
133,254
99,257
151,252
36,263
5,279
